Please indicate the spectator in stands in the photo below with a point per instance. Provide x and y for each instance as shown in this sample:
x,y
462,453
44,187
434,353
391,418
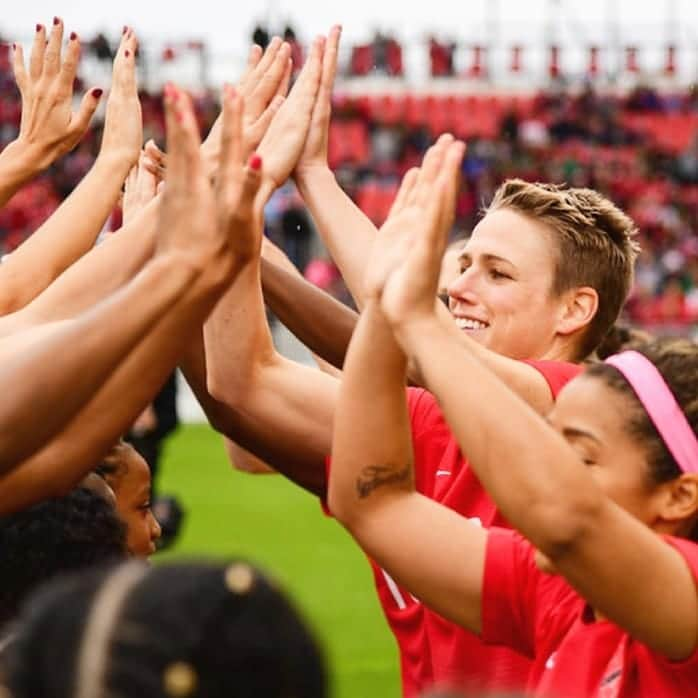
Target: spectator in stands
x,y
206,630
260,36
441,58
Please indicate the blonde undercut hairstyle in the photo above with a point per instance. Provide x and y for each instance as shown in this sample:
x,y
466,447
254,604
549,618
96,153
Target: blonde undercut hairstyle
x,y
594,243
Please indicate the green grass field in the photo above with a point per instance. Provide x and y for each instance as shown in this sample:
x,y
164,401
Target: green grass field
x,y
277,525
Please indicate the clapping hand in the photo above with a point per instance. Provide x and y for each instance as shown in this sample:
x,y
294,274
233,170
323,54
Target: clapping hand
x,y
49,128
123,124
406,259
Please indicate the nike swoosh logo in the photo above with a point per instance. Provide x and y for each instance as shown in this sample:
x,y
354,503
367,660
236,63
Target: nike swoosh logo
x,y
442,472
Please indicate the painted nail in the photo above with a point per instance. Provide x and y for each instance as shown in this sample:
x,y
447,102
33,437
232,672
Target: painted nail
x,y
127,53
56,21
255,162
125,29
14,47
39,27
97,92
73,36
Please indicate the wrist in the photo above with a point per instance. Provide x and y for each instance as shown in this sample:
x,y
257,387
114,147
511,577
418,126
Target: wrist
x,y
414,328
116,162
22,160
306,174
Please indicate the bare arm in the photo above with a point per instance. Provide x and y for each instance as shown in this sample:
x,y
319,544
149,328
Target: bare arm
x,y
48,128
319,321
371,488
263,419
537,480
73,228
195,235
280,411
94,277
50,371
344,228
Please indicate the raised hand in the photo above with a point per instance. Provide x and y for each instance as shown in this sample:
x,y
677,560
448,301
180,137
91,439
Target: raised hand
x,y
237,185
123,122
263,88
316,145
208,223
416,235
285,139
187,226
49,128
140,187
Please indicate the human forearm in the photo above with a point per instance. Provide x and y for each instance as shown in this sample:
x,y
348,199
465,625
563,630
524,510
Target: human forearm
x,y
95,276
66,362
344,228
371,448
122,396
19,163
251,431
529,470
319,321
67,235
372,483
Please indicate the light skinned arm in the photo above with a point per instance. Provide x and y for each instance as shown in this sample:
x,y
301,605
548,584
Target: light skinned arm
x,y
49,128
537,480
343,226
194,228
71,231
95,276
349,234
281,279
371,488
372,482
264,392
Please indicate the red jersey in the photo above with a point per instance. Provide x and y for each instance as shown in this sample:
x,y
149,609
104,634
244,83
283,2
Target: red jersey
x,y
574,655
434,651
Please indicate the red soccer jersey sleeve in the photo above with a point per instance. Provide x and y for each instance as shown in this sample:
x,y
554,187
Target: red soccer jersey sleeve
x,y
574,654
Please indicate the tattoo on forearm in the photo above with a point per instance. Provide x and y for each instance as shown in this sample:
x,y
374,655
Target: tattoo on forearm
x,y
374,476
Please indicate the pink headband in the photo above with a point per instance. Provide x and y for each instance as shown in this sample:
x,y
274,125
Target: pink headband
x,y
661,406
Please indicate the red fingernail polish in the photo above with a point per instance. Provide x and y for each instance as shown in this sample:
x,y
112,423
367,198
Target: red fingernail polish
x,y
127,53
255,162
39,27
97,92
14,47
73,36
56,20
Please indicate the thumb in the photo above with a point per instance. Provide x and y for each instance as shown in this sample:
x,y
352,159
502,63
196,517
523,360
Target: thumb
x,y
80,120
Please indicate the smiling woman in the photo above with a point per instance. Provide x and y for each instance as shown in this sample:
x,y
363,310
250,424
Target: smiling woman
x,y
556,259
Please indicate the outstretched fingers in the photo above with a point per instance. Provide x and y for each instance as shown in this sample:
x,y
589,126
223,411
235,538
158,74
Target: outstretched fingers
x,y
431,165
69,67
304,93
36,58
441,210
19,69
182,141
231,137
404,193
52,55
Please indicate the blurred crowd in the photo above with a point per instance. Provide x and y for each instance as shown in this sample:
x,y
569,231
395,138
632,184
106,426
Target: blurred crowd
x,y
640,149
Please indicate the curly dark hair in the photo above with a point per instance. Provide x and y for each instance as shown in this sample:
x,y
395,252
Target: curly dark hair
x,y
64,534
